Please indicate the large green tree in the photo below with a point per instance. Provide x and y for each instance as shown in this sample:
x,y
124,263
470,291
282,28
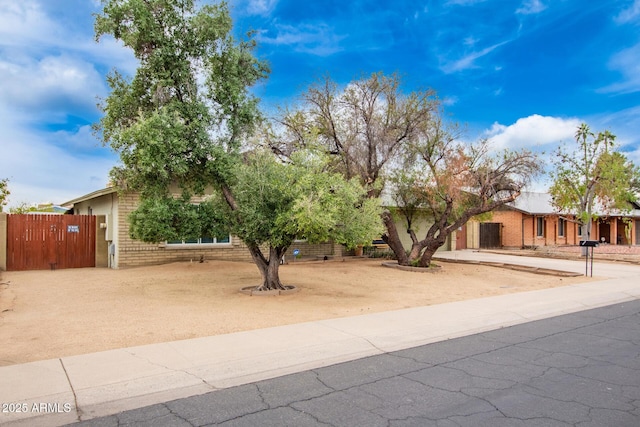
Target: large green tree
x,y
382,135
593,176
184,119
275,203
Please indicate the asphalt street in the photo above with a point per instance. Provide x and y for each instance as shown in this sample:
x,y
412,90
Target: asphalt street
x,y
580,369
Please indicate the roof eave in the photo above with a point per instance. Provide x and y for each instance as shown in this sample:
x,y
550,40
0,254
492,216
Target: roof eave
x,y
93,195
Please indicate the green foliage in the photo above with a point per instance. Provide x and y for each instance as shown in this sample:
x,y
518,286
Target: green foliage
x,y
592,174
24,207
184,114
183,119
4,192
618,180
165,218
330,208
277,203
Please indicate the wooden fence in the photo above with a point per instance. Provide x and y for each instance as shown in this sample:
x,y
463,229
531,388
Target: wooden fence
x,y
42,242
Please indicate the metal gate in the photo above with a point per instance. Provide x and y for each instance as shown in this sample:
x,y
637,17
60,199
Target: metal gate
x,y
42,242
490,235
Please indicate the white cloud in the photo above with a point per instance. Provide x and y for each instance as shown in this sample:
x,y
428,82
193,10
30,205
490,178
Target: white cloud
x,y
450,100
468,61
631,14
27,32
49,72
39,170
261,7
470,41
531,7
317,39
627,62
464,2
50,69
44,86
80,139
108,52
25,21
623,124
532,132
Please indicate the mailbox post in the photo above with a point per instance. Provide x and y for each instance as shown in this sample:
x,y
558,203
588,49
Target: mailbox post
x,y
588,244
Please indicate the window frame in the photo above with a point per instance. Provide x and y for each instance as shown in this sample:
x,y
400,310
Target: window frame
x,y
198,243
540,226
562,227
174,244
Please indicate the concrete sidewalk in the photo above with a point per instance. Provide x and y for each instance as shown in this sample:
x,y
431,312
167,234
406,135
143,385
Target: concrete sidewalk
x,y
59,391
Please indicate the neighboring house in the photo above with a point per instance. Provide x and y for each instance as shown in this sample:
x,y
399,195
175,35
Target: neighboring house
x,y
116,249
531,221
48,208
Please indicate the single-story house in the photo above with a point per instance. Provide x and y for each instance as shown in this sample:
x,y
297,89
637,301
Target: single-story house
x,y
116,249
532,221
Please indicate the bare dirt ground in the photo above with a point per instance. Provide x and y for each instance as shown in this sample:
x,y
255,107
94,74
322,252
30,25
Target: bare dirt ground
x,y
50,314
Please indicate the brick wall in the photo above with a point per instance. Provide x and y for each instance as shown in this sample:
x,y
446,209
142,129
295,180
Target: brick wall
x,y
511,227
133,253
519,230
315,250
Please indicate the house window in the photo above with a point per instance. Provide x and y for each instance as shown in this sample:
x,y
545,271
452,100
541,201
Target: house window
x,y
562,225
540,226
580,230
201,241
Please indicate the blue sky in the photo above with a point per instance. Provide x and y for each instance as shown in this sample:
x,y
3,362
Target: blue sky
x,y
523,73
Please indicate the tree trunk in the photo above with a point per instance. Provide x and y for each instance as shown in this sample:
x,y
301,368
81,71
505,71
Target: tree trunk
x,y
427,255
416,249
269,268
392,239
435,238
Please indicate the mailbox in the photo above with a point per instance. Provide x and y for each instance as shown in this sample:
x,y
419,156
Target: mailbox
x,y
588,244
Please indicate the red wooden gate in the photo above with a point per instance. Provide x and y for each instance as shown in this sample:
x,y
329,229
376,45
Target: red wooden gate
x,y
461,238
42,242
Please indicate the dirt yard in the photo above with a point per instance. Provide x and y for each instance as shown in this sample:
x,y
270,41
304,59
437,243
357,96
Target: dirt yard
x,y
49,314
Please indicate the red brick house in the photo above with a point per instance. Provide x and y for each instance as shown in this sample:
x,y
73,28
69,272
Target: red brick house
x,y
531,221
